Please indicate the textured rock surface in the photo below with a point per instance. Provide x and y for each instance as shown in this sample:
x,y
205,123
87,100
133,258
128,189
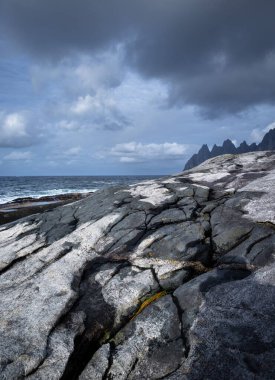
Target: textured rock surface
x,y
167,279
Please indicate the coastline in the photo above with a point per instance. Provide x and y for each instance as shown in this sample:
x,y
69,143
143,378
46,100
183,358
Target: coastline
x,y
21,207
26,195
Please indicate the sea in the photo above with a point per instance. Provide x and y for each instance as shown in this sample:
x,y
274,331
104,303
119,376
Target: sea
x,y
12,188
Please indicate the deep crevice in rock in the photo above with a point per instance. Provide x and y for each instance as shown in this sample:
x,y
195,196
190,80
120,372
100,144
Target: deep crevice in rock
x,y
110,360
184,337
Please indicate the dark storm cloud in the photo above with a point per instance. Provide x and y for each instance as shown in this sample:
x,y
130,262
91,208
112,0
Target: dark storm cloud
x,y
216,54
55,27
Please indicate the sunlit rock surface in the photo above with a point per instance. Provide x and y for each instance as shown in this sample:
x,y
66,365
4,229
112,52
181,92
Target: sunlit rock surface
x,y
166,279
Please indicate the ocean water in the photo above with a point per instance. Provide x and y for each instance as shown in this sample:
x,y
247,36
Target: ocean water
x,y
20,187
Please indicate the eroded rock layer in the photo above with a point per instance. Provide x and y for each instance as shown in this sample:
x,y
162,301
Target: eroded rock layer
x,y
166,279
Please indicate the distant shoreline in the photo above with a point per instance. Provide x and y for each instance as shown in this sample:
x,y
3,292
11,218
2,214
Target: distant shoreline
x,y
21,207
14,188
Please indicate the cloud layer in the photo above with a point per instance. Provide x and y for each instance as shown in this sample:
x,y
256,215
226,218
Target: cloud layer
x,y
216,54
18,156
133,152
120,86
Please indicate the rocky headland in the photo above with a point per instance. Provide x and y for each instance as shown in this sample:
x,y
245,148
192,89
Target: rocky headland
x,y
165,279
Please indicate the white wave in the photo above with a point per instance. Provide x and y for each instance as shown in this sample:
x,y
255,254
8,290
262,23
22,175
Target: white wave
x,y
42,193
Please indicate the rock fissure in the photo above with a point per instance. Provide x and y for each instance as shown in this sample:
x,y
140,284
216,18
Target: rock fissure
x,y
132,368
20,259
63,315
184,335
110,361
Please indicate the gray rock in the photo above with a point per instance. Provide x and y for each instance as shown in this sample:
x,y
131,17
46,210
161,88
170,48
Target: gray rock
x,y
154,338
98,366
233,335
84,287
191,295
172,280
258,249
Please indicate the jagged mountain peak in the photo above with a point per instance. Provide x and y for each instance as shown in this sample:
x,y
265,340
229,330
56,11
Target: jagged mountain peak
x,y
204,148
228,143
267,143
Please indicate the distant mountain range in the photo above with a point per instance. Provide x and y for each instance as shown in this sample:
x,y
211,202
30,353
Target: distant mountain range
x,y
267,143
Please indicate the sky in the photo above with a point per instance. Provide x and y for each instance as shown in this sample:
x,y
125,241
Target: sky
x,y
102,87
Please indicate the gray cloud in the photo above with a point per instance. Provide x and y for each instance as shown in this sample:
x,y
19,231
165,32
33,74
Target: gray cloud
x,y
113,126
136,152
216,54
